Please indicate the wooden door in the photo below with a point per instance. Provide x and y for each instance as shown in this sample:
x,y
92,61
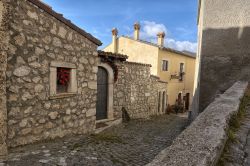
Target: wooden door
x,y
102,93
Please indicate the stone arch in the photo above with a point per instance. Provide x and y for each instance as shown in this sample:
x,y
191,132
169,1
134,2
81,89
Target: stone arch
x,y
110,94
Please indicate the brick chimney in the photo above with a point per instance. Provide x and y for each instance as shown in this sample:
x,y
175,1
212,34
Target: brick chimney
x,y
137,31
161,36
114,39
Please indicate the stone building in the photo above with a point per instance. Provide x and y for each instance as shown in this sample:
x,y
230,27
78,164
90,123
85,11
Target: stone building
x,y
175,67
134,88
223,47
51,75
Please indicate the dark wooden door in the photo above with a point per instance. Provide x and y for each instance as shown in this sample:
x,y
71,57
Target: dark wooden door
x,y
159,101
187,101
102,93
163,101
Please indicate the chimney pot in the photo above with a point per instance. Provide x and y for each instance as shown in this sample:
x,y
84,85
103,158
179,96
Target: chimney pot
x,y
137,28
161,36
114,39
114,32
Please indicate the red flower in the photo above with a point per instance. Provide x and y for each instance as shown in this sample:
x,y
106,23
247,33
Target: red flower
x,y
63,76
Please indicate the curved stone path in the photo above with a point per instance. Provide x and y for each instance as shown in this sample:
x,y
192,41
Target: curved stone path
x,y
134,143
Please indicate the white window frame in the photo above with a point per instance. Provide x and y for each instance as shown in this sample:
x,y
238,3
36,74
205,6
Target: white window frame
x,y
72,88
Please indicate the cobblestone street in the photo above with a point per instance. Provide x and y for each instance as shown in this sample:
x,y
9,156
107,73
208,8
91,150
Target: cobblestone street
x,y
133,143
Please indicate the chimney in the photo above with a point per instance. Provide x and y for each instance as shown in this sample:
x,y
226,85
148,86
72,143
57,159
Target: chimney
x,y
137,30
161,36
114,39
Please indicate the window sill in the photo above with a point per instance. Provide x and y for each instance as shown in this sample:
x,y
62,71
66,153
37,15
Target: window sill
x,y
62,95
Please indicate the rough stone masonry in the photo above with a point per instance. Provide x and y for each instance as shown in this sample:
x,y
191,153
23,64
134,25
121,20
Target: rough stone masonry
x,y
3,64
35,43
39,40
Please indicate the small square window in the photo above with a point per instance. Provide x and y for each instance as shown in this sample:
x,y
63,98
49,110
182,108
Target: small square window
x,y
164,65
63,80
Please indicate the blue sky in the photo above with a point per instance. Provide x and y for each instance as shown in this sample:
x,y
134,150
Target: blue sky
x,y
176,17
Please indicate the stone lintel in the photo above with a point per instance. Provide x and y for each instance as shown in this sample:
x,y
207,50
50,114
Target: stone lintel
x,y
62,64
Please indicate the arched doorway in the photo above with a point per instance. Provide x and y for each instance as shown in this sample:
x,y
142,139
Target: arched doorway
x,y
105,81
187,98
102,93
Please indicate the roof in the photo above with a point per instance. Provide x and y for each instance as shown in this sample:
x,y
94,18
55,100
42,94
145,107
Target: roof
x,y
121,57
60,17
113,55
137,63
184,53
158,79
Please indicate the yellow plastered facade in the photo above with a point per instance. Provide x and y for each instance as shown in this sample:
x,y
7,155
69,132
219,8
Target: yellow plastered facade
x,y
145,52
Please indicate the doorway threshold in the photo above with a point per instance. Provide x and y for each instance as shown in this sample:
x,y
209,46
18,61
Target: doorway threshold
x,y
102,125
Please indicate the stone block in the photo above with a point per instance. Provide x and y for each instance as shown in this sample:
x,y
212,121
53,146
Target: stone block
x,y
32,15
22,71
91,112
92,85
53,115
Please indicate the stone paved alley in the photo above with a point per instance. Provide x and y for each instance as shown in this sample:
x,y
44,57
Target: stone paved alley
x,y
133,143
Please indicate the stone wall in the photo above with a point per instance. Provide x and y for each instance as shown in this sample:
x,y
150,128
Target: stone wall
x,y
136,90
4,36
223,46
203,141
37,40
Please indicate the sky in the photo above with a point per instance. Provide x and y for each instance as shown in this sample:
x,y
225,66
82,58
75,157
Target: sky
x,y
177,18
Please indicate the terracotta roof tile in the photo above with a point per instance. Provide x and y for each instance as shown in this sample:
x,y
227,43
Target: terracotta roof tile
x,y
114,55
136,63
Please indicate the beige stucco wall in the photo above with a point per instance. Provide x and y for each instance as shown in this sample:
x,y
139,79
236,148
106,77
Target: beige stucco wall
x,y
174,85
224,28
149,54
137,52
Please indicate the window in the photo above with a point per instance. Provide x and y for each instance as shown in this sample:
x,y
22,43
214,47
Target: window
x,y
181,67
164,65
181,71
62,79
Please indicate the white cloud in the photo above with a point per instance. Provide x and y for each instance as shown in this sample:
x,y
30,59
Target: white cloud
x,y
149,30
181,45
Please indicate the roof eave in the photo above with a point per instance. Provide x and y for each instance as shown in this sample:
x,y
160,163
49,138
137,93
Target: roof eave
x,y
67,22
